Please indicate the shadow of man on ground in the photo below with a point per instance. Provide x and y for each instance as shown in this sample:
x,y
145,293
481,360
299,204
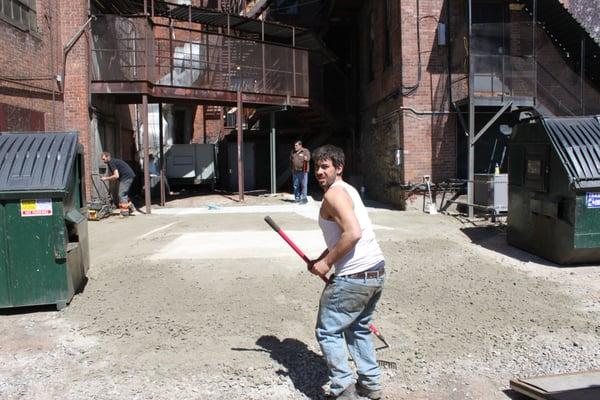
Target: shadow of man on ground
x,y
306,369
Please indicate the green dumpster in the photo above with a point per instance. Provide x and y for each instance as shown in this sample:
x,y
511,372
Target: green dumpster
x,y
44,254
554,188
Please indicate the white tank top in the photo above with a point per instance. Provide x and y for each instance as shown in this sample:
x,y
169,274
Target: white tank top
x,y
367,253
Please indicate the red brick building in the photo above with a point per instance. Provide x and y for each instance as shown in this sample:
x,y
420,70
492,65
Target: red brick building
x,y
388,79
404,101
418,66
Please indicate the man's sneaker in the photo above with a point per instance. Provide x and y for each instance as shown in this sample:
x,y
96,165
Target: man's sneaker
x,y
304,201
368,393
348,394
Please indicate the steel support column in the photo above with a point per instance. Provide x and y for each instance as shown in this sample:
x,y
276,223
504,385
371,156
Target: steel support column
x,y
162,156
533,47
582,74
146,154
471,142
273,153
240,144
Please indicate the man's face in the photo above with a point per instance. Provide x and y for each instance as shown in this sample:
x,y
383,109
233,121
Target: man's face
x,y
297,146
105,159
326,173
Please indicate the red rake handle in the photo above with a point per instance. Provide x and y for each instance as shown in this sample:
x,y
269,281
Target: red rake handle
x,y
289,241
376,332
285,237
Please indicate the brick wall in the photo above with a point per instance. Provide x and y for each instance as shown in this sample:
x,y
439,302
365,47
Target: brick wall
x,y
28,61
428,135
73,14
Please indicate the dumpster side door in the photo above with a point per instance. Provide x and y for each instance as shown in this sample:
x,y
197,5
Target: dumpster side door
x,y
4,293
37,276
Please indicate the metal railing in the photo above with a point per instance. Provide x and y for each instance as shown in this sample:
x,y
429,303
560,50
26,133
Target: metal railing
x,y
521,60
131,49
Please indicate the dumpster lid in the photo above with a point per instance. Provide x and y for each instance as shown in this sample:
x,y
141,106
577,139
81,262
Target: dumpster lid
x,y
36,162
577,142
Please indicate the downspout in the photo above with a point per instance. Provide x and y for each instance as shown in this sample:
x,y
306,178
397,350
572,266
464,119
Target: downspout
x,y
450,98
52,71
407,91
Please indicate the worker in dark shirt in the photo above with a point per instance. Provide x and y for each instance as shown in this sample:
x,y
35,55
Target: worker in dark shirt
x,y
118,170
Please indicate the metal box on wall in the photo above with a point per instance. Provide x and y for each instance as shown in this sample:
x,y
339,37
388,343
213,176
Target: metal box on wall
x,y
491,190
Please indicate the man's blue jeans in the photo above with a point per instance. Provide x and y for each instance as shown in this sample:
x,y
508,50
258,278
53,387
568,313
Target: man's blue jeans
x,y
300,182
345,311
124,186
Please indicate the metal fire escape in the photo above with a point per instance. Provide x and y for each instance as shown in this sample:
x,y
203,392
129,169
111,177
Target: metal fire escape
x,y
162,52
534,58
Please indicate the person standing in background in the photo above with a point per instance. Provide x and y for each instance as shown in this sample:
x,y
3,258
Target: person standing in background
x,y
299,164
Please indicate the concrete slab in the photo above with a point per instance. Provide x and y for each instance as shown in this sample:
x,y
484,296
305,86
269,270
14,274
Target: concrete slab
x,y
248,244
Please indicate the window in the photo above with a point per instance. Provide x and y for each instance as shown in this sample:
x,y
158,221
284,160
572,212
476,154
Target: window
x,y
388,33
20,13
371,46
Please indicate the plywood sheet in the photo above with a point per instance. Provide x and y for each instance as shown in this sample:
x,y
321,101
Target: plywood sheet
x,y
575,386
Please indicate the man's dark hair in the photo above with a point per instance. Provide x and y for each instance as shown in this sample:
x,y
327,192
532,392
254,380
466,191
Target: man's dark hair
x,y
298,141
329,152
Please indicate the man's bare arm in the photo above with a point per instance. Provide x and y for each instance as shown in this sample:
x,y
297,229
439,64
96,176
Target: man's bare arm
x,y
114,176
339,208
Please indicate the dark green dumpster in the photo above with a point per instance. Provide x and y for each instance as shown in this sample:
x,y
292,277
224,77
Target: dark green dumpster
x,y
44,252
554,188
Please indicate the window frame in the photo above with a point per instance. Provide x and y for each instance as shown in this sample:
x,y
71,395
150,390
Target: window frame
x,y
27,6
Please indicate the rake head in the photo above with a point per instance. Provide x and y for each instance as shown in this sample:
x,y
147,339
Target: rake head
x,y
387,364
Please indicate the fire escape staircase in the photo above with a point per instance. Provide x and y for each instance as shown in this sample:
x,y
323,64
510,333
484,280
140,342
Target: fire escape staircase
x,y
554,93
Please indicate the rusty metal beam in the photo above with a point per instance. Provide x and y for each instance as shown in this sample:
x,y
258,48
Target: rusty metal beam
x,y
240,144
146,154
132,90
162,156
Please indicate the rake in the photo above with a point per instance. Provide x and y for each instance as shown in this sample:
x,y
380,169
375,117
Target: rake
x,y
372,328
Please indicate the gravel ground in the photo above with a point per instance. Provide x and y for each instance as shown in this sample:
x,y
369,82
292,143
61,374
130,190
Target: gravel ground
x,y
463,311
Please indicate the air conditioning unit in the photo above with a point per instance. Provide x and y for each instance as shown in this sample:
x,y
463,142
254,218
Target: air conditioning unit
x,y
491,190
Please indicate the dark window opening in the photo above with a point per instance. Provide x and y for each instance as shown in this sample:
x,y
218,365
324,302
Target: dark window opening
x,y
388,34
371,46
179,127
20,13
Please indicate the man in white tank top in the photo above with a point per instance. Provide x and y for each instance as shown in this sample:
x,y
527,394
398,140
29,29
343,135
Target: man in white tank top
x,y
349,299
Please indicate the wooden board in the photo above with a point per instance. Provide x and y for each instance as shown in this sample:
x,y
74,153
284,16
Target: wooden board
x,y
574,386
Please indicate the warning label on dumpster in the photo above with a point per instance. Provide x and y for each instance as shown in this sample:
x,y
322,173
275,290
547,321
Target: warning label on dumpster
x,y
592,200
36,208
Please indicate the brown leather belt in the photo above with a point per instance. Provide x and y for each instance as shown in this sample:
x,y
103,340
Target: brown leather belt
x,y
367,274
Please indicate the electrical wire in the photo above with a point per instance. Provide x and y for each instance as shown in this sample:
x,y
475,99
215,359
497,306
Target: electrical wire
x,y
408,90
